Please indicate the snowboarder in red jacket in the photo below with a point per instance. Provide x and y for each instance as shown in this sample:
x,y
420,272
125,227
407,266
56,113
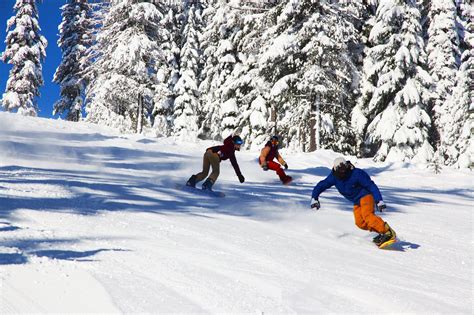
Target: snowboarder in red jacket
x,y
268,154
357,186
213,157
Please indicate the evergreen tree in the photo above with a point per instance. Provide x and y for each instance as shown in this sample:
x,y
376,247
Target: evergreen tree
x,y
76,37
186,103
309,71
247,86
328,73
100,9
257,128
220,54
392,114
168,67
240,90
443,59
278,64
25,50
360,14
127,68
459,121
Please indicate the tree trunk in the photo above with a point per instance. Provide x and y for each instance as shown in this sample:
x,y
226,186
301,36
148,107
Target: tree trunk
x,y
312,134
140,114
273,119
314,126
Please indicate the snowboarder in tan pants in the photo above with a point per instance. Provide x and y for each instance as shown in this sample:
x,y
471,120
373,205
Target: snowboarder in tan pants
x,y
356,186
213,157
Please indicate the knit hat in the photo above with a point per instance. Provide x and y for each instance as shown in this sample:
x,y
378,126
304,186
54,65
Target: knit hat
x,y
338,161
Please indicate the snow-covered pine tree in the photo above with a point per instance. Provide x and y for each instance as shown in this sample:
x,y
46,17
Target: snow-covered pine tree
x,y
256,129
356,12
76,33
327,75
443,61
309,71
245,84
459,120
278,61
25,50
365,89
186,103
126,69
168,66
360,13
392,114
100,9
223,24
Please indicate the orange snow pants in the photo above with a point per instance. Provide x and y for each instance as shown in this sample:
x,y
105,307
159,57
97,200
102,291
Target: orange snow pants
x,y
365,217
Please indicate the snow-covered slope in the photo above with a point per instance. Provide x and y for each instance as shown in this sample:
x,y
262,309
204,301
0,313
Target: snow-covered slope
x,y
91,221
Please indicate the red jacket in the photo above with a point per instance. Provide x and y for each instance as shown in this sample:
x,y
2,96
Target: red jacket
x,y
227,151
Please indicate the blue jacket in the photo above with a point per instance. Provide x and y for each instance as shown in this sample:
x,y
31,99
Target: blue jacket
x,y
357,185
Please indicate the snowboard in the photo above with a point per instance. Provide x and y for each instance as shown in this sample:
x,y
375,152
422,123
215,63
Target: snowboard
x,y
212,193
388,244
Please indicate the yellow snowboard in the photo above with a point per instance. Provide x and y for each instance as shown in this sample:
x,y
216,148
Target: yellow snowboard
x,y
387,244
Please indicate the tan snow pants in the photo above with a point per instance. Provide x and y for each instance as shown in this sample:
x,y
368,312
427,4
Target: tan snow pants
x,y
210,159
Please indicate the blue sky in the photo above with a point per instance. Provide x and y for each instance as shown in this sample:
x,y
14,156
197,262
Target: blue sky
x,y
49,19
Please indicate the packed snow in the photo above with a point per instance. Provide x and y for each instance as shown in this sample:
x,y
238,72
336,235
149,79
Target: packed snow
x,y
92,221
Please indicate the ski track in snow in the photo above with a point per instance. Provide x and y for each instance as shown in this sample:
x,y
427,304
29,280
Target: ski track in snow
x,y
90,221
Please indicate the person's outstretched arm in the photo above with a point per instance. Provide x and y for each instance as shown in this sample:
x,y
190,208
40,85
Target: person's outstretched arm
x,y
235,165
326,183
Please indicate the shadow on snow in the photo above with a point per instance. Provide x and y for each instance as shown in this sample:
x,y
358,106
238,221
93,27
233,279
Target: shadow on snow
x,y
28,248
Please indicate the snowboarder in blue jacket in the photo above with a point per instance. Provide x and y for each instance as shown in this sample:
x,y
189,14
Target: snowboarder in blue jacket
x,y
357,186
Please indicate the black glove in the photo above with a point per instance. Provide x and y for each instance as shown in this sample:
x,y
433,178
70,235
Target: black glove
x,y
315,204
381,206
265,167
241,178
286,166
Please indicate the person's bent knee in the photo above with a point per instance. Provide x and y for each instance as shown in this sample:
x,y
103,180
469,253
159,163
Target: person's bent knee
x,y
361,225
